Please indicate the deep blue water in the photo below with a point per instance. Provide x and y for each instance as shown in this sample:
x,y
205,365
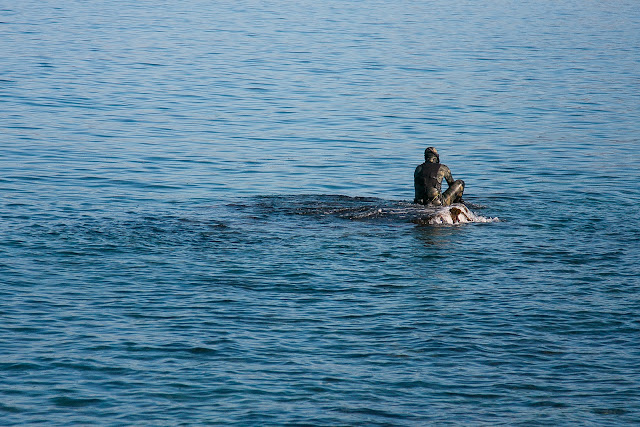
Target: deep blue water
x,y
206,217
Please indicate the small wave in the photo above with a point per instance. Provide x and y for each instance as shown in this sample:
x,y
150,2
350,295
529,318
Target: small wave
x,y
72,402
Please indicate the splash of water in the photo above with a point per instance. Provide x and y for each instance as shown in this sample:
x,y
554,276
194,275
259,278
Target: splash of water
x,y
454,214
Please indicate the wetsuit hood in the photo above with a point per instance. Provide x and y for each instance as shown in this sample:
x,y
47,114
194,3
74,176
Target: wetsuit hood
x,y
431,155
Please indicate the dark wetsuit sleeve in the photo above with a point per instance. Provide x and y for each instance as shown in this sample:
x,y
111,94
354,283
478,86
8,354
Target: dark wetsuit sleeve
x,y
446,174
455,190
420,194
416,173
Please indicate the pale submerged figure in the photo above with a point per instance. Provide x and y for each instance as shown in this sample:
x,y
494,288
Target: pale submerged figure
x,y
427,180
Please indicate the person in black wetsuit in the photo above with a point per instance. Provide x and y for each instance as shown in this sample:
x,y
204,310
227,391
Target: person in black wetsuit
x,y
427,180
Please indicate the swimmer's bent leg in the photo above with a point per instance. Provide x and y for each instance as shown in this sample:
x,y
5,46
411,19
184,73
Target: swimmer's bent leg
x,y
453,193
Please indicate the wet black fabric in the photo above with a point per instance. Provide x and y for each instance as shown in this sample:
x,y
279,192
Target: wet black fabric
x,y
429,176
453,193
428,185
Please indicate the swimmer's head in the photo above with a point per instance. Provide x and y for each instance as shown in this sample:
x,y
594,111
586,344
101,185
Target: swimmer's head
x,y
431,155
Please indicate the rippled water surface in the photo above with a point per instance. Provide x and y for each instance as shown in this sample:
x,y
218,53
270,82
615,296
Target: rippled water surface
x,y
206,213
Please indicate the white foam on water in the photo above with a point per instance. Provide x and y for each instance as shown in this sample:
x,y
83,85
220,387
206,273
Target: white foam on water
x,y
454,214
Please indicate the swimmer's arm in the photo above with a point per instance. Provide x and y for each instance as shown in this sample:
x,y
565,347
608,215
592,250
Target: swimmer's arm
x,y
447,175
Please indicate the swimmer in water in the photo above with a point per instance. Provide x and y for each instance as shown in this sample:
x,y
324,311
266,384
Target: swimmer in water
x,y
427,180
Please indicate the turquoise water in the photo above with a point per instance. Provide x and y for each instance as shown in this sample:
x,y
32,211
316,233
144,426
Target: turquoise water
x,y
206,217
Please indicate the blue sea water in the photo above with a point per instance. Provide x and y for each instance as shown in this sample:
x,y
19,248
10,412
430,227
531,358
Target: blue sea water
x,y
206,213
